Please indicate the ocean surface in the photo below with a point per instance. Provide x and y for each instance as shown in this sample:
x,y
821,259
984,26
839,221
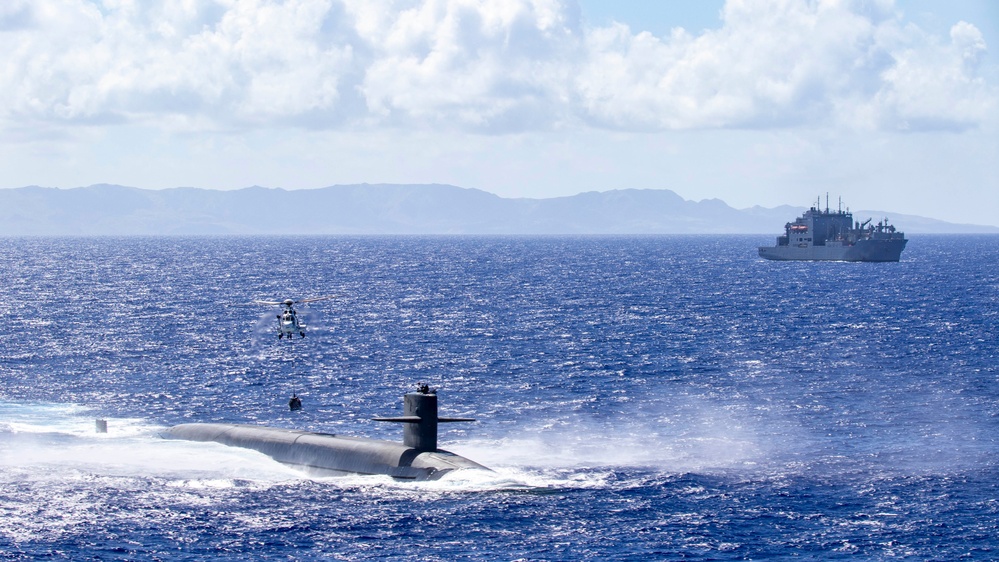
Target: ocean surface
x,y
639,398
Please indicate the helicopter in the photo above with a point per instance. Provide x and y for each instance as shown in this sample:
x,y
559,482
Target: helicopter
x,y
288,322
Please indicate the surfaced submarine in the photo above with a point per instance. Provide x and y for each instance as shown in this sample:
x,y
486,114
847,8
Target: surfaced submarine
x,y
325,454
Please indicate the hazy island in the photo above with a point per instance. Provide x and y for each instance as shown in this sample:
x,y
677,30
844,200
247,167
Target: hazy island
x,y
392,209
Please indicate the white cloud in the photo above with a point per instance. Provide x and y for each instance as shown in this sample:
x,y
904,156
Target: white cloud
x,y
492,65
234,63
934,85
485,66
775,64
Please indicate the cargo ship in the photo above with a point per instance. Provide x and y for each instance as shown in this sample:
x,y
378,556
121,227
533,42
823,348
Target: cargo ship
x,y
834,236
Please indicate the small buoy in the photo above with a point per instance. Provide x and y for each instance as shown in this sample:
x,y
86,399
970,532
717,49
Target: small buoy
x,y
102,426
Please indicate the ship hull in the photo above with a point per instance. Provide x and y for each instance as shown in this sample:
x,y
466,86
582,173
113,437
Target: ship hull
x,y
324,454
862,251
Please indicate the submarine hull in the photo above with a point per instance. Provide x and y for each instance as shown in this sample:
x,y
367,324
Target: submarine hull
x,y
326,454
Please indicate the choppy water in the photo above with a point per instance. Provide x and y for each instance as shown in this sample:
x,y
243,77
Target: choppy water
x,y
639,398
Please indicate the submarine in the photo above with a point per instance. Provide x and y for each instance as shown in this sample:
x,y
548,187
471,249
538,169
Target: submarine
x,y
326,454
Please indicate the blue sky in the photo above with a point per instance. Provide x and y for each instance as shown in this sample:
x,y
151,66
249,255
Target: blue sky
x,y
891,105
659,17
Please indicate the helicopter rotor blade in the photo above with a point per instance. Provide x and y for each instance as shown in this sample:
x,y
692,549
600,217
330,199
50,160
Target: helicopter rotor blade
x,y
289,302
314,299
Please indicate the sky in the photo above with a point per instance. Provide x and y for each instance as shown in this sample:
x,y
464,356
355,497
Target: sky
x,y
889,105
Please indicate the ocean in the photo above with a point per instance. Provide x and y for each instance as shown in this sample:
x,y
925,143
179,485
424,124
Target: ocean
x,y
638,398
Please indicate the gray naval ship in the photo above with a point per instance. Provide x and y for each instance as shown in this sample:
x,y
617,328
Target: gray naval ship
x,y
834,236
324,454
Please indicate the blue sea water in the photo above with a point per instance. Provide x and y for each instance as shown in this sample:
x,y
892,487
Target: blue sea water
x,y
639,398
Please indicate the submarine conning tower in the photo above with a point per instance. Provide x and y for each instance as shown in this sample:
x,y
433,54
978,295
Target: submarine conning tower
x,y
420,416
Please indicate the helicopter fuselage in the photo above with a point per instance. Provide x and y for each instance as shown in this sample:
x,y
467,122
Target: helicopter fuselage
x,y
289,324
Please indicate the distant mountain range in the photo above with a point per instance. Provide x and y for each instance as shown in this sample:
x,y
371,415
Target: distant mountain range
x,y
392,209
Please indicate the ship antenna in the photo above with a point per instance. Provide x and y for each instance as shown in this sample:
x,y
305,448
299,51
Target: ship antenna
x,y
827,202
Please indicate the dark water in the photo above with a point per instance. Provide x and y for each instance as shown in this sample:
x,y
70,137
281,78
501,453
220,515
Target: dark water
x,y
654,398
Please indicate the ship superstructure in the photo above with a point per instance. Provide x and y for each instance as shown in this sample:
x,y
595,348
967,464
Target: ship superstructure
x,y
834,236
